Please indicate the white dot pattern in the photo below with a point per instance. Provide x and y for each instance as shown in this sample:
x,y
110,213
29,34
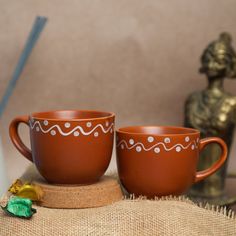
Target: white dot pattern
x,y
45,122
67,125
76,133
157,150
53,132
187,139
167,140
60,129
131,141
89,124
178,149
150,139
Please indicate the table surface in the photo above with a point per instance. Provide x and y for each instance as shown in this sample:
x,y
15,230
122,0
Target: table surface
x,y
230,189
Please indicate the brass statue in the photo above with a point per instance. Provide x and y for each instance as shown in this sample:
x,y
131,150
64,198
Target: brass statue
x,y
213,112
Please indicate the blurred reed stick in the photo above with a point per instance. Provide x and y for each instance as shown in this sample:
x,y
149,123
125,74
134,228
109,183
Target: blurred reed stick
x,y
30,43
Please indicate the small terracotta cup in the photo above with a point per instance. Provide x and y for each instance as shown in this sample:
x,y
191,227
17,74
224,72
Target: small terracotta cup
x,y
68,146
159,161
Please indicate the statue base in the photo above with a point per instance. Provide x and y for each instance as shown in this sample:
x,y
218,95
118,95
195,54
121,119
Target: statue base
x,y
228,198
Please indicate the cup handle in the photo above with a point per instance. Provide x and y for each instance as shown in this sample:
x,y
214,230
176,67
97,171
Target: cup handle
x,y
200,175
15,138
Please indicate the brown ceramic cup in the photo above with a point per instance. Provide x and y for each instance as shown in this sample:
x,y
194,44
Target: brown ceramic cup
x,y
159,161
68,147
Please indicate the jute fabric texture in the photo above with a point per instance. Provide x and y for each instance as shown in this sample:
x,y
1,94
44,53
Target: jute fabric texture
x,y
127,217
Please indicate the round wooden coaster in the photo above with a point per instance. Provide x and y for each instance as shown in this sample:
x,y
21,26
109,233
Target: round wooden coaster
x,y
102,193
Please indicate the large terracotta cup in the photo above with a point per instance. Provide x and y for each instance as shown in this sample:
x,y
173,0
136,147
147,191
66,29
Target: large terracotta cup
x,y
68,147
158,161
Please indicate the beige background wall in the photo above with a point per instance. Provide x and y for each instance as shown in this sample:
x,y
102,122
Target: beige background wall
x,y
138,58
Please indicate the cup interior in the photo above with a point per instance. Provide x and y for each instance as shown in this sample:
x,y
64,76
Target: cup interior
x,y
72,115
157,130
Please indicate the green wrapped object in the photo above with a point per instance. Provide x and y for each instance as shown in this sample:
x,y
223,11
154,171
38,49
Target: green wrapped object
x,y
19,207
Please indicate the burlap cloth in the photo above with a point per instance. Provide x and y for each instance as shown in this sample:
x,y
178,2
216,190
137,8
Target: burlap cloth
x,y
127,217
170,216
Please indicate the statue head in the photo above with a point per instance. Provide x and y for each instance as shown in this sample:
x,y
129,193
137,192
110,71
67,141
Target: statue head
x,y
219,58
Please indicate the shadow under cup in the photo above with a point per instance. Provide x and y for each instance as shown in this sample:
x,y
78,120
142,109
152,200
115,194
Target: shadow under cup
x,y
68,147
159,161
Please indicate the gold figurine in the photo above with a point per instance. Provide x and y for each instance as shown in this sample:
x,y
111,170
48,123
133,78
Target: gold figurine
x,y
213,112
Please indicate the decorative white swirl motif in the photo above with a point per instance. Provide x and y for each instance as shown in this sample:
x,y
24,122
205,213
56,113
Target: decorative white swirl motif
x,y
75,131
140,146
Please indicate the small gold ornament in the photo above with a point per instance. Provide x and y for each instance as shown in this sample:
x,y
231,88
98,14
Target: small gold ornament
x,y
15,187
26,190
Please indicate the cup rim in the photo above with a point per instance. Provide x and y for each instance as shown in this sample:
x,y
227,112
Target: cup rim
x,y
190,131
105,115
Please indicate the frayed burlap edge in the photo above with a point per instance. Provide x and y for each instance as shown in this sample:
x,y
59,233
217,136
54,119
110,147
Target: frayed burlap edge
x,y
217,209
230,214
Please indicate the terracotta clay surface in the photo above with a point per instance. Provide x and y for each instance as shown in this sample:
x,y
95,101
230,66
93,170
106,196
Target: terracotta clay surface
x,y
68,147
159,161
